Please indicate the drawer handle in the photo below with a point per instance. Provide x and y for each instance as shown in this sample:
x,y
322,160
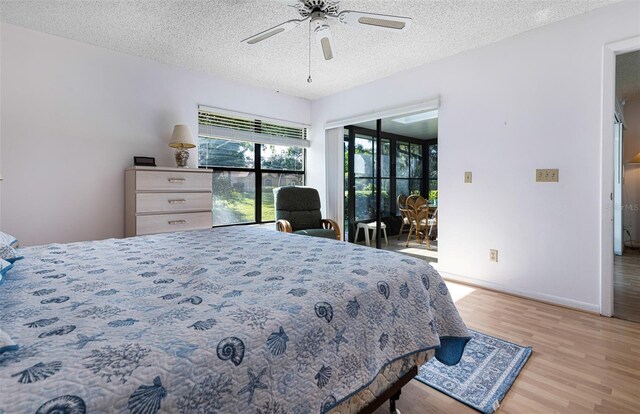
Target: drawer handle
x,y
174,222
177,180
178,201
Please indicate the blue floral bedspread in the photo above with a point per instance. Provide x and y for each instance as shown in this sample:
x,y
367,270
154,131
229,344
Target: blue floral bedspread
x,y
229,320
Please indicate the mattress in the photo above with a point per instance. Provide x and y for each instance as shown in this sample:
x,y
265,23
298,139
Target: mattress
x,y
228,320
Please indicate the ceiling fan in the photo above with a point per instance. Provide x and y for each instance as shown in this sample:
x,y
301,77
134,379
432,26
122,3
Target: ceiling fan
x,y
320,12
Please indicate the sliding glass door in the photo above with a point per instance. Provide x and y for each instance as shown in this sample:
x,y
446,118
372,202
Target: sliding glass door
x,y
432,172
407,166
364,170
363,165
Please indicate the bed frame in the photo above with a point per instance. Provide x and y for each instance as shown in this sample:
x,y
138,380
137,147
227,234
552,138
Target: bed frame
x,y
392,394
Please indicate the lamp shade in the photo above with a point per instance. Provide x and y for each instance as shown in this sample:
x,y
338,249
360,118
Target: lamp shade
x,y
182,137
636,159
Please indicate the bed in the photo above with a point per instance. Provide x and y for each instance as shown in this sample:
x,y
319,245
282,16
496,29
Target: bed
x,y
227,320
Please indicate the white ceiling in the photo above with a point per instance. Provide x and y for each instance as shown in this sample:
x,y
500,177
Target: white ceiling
x,y
205,35
628,76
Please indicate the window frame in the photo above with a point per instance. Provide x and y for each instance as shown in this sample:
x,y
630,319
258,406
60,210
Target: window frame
x,y
258,171
430,167
350,134
371,175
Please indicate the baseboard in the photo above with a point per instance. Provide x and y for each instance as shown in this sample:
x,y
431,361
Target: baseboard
x,y
540,297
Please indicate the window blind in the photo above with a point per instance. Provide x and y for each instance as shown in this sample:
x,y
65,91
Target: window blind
x,y
238,128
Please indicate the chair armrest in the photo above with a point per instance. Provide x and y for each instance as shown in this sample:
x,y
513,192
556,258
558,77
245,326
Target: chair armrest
x,y
284,226
330,224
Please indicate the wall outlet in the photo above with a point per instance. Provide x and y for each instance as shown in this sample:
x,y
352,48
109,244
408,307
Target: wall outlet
x,y
467,177
547,175
493,255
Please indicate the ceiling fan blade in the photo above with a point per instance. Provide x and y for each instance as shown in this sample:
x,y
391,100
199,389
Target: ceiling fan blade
x,y
325,39
378,21
281,28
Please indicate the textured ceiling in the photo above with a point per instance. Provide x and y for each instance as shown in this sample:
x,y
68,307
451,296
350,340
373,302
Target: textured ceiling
x,y
205,35
628,76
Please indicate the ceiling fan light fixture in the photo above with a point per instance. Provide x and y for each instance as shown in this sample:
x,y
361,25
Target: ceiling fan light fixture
x,y
389,24
308,7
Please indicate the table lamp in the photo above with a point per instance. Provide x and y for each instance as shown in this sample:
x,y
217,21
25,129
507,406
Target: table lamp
x,y
182,140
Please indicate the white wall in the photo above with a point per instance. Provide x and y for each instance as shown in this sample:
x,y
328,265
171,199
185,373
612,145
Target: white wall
x,y
631,188
73,117
531,101
0,126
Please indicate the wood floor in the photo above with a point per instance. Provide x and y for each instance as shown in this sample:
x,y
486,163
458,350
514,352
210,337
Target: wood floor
x,y
581,363
626,285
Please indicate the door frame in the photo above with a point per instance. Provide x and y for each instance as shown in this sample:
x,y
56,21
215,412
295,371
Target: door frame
x,y
393,139
609,53
432,103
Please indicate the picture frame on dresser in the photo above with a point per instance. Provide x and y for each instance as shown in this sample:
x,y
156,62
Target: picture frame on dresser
x,y
166,199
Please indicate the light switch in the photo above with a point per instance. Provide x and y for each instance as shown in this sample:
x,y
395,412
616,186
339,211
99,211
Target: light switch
x,y
493,255
467,177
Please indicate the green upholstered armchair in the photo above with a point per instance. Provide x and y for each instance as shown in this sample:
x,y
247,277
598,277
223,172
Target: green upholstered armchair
x,y
298,211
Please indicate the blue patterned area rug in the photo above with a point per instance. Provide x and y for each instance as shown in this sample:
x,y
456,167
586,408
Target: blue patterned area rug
x,y
481,379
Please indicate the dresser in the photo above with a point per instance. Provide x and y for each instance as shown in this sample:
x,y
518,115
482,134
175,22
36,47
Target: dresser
x,y
161,200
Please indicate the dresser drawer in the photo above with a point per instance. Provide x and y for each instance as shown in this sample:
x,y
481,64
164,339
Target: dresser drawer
x,y
197,180
163,223
172,202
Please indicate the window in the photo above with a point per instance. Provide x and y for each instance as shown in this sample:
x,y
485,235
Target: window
x,y
408,168
214,152
275,157
249,158
432,151
365,183
234,197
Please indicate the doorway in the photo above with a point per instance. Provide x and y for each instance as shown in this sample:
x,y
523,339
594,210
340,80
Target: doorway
x,y
387,160
626,194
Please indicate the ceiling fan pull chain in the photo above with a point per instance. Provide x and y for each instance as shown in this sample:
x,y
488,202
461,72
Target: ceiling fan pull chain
x,y
309,80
